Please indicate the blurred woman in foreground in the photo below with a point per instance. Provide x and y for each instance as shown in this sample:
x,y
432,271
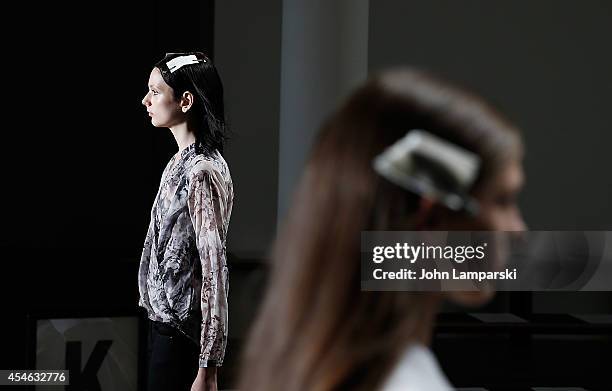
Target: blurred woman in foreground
x,y
316,329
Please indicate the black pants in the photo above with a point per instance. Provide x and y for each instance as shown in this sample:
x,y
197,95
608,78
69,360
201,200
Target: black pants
x,y
172,359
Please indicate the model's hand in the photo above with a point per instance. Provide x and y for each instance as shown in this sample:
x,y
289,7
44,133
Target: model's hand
x,y
206,380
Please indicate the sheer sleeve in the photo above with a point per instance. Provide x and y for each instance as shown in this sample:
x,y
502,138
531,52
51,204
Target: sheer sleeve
x,y
208,210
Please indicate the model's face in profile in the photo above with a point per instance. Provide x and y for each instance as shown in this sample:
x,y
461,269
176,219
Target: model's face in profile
x,y
161,105
498,211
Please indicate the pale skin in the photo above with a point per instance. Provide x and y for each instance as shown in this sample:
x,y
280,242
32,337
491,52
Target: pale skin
x,y
168,112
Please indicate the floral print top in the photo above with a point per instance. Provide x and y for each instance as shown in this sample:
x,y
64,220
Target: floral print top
x,y
183,275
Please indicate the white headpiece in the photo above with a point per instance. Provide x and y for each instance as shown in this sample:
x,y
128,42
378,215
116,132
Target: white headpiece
x,y
178,62
431,167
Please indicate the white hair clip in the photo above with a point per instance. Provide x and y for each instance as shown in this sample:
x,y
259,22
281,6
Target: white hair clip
x,y
431,167
178,62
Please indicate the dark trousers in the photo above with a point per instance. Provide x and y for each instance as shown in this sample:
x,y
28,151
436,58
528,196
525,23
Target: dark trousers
x,y
172,359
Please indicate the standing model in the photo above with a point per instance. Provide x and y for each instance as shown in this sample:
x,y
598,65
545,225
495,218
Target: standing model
x,y
183,276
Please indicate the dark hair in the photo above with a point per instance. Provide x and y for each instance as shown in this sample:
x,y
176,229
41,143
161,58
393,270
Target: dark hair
x,y
203,81
316,330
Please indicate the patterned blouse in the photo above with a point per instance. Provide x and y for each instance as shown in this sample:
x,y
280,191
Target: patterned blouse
x,y
183,276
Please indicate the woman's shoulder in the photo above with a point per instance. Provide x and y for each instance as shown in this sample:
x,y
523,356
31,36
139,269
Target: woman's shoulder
x,y
211,163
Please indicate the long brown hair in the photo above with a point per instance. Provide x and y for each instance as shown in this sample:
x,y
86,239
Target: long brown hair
x,y
316,330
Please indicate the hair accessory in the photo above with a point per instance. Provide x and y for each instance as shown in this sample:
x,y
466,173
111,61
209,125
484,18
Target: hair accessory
x,y
431,167
179,62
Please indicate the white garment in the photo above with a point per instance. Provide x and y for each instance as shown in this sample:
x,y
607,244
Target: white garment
x,y
417,370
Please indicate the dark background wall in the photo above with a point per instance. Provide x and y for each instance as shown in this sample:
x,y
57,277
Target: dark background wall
x,y
247,51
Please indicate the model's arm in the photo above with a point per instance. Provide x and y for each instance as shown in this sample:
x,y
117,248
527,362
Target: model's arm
x,y
207,209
